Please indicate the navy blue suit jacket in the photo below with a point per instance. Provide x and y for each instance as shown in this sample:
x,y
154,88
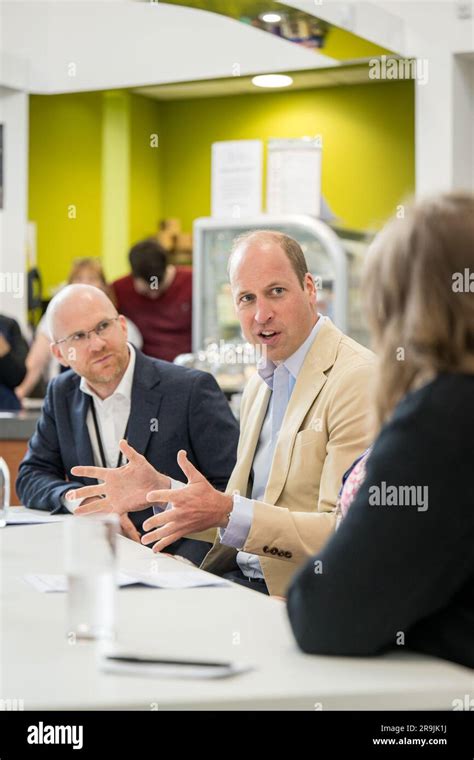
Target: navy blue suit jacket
x,y
192,413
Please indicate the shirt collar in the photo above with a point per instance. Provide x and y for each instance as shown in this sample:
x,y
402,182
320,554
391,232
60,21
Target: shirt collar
x,y
293,364
124,388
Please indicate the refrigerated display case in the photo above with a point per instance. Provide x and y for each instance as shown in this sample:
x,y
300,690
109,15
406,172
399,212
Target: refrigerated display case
x,y
334,257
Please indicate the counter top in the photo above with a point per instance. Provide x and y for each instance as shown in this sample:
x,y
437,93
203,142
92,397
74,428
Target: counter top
x,y
18,426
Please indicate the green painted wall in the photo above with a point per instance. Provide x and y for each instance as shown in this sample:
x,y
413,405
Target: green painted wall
x,y
368,160
368,145
115,179
65,171
145,154
92,151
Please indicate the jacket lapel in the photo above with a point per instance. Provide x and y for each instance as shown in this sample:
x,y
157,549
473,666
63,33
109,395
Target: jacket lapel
x,y
145,403
310,381
239,479
78,404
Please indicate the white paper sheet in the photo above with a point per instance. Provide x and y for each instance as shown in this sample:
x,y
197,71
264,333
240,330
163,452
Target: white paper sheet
x,y
182,578
237,178
18,516
47,583
294,176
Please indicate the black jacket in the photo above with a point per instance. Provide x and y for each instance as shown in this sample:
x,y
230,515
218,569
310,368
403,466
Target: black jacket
x,y
402,575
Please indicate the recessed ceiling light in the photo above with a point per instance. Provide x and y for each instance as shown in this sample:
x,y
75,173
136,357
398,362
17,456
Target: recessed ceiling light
x,y
270,18
272,80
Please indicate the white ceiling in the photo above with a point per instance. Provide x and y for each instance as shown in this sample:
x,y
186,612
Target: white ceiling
x,y
56,46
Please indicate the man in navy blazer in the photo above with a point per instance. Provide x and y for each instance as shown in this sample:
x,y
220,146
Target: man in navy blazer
x,y
86,409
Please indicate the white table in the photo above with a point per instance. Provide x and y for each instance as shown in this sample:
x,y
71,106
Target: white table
x,y
39,666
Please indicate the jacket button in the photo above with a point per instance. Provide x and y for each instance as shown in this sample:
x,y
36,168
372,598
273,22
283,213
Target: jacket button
x,y
265,549
274,550
281,554
288,555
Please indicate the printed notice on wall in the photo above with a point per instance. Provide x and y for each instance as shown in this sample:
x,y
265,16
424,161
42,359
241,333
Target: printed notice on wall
x,y
237,178
294,176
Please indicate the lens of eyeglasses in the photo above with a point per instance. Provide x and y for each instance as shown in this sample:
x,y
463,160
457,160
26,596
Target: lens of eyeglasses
x,y
81,337
104,326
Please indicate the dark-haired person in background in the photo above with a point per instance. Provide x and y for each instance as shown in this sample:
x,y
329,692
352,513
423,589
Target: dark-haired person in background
x,y
157,297
400,568
13,352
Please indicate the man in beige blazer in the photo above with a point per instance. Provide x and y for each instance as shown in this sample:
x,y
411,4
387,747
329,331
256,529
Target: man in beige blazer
x,y
304,419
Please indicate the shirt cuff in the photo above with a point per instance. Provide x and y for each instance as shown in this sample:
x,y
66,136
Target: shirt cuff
x,y
175,485
70,504
240,521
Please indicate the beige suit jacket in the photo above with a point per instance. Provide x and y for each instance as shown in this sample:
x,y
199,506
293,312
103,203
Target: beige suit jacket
x,y
324,429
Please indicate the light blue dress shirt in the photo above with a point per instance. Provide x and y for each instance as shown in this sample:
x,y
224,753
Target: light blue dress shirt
x,y
240,521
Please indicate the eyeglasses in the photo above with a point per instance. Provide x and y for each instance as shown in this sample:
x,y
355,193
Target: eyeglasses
x,y
81,337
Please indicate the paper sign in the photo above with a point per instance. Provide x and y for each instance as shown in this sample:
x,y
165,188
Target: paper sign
x,y
294,176
236,189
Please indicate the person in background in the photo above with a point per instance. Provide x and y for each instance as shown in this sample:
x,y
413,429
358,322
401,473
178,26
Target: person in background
x,y
400,568
40,363
157,296
13,351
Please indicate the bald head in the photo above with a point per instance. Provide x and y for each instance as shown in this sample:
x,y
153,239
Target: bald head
x,y
89,336
72,305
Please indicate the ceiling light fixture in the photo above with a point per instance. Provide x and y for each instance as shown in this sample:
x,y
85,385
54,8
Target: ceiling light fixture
x,y
272,80
270,18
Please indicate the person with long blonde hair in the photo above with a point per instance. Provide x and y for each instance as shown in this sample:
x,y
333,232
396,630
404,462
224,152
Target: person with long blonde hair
x,y
399,572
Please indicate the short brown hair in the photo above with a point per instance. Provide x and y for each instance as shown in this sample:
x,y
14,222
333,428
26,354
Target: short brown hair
x,y
289,246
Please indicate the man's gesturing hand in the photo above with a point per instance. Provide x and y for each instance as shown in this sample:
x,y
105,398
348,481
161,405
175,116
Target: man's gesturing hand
x,y
124,488
128,529
195,507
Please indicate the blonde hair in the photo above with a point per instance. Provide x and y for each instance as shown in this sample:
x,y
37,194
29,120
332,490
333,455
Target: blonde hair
x,y
87,262
421,323
93,265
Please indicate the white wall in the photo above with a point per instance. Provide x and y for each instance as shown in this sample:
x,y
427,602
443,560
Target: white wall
x,y
14,117
463,125
439,33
